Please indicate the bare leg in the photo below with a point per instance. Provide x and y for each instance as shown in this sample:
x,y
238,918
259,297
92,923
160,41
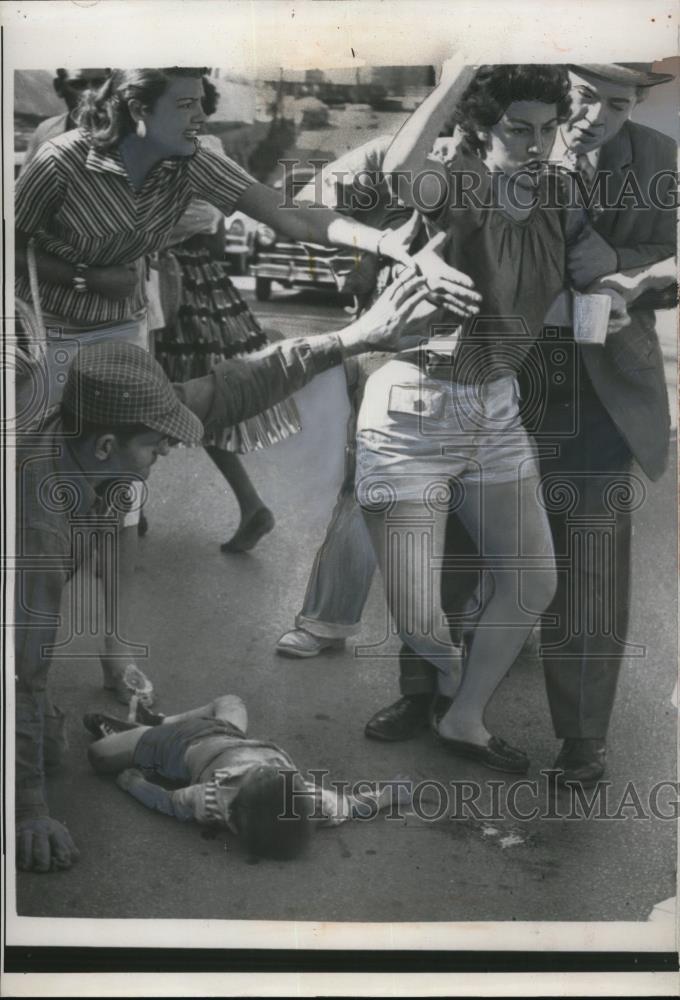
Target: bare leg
x,y
114,753
234,472
409,544
511,527
228,708
256,518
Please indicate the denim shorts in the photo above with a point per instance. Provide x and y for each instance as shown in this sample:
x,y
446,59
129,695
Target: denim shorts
x,y
163,749
417,432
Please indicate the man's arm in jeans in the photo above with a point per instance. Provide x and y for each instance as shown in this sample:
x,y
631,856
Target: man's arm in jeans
x,y
241,388
42,843
238,389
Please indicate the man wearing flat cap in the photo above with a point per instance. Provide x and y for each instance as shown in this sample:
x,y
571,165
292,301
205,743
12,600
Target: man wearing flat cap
x,y
118,414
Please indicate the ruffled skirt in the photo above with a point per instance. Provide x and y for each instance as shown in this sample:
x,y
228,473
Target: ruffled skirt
x,y
214,323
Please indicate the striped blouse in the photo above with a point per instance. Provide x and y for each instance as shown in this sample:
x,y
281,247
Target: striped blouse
x,y
79,205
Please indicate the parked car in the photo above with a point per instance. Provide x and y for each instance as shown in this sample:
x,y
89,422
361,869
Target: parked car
x,y
293,264
239,240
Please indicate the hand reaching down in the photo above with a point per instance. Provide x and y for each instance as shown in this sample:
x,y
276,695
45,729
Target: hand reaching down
x,y
44,845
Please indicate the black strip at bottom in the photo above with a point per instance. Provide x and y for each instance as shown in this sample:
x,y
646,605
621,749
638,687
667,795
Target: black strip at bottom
x,y
102,960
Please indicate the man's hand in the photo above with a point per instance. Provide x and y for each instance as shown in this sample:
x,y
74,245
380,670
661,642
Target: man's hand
x,y
456,69
116,282
384,327
625,285
618,316
44,845
630,285
395,243
589,258
448,287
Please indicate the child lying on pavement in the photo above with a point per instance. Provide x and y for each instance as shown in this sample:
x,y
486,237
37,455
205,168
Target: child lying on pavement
x,y
248,785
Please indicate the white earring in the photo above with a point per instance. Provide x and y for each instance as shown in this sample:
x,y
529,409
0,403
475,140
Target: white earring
x,y
141,129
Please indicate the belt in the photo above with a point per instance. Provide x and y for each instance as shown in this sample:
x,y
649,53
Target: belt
x,y
447,369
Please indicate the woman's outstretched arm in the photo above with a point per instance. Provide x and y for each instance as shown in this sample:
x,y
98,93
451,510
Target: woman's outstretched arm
x,y
316,224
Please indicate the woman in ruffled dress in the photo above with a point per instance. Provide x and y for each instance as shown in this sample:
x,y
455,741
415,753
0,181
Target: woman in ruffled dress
x,y
205,321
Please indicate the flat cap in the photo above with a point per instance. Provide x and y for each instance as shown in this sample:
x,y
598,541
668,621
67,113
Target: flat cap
x,y
120,384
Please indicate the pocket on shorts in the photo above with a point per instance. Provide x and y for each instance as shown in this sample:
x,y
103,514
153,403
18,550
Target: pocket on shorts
x,y
416,401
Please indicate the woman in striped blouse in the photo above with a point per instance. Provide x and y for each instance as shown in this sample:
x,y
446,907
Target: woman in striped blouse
x,y
96,200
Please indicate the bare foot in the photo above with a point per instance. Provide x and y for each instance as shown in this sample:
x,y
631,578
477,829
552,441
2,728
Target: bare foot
x,y
250,532
455,726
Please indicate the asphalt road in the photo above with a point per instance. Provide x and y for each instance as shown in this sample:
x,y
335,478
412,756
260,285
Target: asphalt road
x,y
211,621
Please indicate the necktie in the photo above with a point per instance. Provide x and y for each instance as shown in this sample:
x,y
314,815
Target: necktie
x,y
580,164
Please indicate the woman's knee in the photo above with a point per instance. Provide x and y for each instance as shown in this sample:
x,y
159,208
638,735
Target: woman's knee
x,y
530,591
538,589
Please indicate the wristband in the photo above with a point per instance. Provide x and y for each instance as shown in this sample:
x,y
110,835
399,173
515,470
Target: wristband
x,y
79,279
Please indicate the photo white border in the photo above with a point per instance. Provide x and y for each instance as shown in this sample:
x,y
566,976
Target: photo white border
x,y
249,36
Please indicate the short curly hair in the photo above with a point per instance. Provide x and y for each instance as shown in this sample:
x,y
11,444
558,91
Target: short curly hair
x,y
105,115
494,88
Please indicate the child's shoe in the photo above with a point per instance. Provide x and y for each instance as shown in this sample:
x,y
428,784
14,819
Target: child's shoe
x,y
100,725
145,717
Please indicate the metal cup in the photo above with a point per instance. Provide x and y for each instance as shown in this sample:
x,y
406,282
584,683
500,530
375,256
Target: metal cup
x,y
591,317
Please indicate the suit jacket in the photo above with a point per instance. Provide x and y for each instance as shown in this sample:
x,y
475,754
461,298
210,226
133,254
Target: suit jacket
x,y
627,373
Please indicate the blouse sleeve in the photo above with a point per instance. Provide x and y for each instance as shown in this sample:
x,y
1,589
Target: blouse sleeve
x,y
39,191
217,179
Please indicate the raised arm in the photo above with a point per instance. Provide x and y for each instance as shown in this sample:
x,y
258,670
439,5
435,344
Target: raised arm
x,y
418,177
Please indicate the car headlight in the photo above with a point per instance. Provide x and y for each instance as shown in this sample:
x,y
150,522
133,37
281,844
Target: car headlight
x,y
265,235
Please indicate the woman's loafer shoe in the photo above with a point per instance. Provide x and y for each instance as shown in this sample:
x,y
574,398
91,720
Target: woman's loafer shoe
x,y
495,753
400,721
582,762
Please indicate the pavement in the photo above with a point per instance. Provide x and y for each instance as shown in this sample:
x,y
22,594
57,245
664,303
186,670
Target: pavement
x,y
211,621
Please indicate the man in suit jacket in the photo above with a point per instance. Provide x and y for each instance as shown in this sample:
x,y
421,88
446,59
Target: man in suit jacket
x,y
599,407
612,407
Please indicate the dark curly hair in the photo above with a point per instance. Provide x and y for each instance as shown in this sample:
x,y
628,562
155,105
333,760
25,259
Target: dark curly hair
x,y
211,97
105,115
494,88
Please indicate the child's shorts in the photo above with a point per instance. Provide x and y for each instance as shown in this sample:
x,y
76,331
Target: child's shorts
x,y
163,748
416,432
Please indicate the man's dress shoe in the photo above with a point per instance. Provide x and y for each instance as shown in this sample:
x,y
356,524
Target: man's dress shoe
x,y
400,721
582,761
